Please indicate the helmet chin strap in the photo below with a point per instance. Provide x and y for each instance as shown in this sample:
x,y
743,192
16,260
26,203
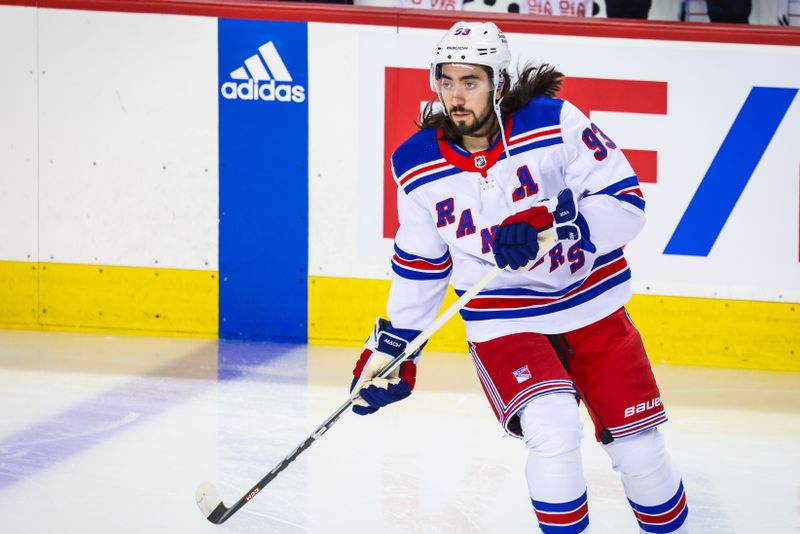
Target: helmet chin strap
x,y
499,116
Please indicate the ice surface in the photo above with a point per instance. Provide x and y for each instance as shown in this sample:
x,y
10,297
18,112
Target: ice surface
x,y
106,434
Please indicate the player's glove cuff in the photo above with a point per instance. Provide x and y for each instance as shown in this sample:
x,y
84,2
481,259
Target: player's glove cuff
x,y
382,347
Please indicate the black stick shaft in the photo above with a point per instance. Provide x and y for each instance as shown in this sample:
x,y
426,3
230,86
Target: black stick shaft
x,y
222,513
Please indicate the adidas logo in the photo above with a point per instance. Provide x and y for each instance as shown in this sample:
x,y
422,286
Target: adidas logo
x,y
261,76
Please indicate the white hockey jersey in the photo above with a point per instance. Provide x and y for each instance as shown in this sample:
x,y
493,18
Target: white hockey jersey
x,y
450,202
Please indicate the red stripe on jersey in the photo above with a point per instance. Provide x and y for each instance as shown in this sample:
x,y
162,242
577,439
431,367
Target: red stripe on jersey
x,y
636,191
493,303
421,170
423,265
535,135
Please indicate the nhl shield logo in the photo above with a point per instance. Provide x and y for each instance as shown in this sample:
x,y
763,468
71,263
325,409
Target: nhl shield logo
x,y
480,162
522,374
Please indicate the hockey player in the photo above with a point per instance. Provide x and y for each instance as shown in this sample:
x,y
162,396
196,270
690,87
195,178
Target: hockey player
x,y
476,186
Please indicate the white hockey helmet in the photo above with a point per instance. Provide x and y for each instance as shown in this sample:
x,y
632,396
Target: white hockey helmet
x,y
477,43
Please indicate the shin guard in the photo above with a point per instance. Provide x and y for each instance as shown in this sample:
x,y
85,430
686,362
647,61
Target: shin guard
x,y
651,481
552,432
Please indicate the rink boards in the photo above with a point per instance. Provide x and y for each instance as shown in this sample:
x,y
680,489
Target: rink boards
x,y
205,172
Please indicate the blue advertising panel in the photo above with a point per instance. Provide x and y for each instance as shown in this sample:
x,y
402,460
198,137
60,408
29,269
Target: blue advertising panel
x,y
263,179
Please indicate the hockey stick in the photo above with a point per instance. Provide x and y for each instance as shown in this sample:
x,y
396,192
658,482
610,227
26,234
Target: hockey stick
x,y
207,496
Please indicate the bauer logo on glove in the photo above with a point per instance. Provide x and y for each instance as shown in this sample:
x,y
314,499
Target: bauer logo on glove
x,y
384,345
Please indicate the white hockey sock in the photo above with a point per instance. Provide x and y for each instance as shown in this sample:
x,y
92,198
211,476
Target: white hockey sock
x,y
651,482
552,433
558,492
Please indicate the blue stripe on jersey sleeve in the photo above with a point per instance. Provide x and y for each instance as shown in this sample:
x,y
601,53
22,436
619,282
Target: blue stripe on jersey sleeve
x,y
538,113
430,178
405,333
411,257
534,145
632,199
421,275
420,148
631,181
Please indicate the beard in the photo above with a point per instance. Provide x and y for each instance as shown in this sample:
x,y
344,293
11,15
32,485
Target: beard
x,y
477,125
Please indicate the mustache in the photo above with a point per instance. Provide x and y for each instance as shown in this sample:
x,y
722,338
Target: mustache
x,y
460,109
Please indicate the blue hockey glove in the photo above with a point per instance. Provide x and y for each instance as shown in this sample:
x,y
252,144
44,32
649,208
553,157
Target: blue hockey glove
x,y
516,239
564,214
384,345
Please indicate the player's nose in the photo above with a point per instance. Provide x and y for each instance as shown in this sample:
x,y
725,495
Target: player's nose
x,y
457,99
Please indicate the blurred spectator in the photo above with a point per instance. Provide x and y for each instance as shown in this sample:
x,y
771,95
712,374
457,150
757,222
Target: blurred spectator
x,y
737,11
790,15
558,8
628,9
565,8
497,6
729,10
784,12
441,5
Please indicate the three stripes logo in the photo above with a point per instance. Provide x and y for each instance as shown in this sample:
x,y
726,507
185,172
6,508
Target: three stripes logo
x,y
263,76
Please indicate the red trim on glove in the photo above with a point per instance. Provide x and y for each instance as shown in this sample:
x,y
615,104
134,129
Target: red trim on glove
x,y
408,373
538,216
362,362
408,369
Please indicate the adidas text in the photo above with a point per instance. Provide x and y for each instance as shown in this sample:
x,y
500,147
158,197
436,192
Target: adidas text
x,y
268,91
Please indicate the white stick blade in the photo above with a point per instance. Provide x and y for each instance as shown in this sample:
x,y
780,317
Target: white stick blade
x,y
207,498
